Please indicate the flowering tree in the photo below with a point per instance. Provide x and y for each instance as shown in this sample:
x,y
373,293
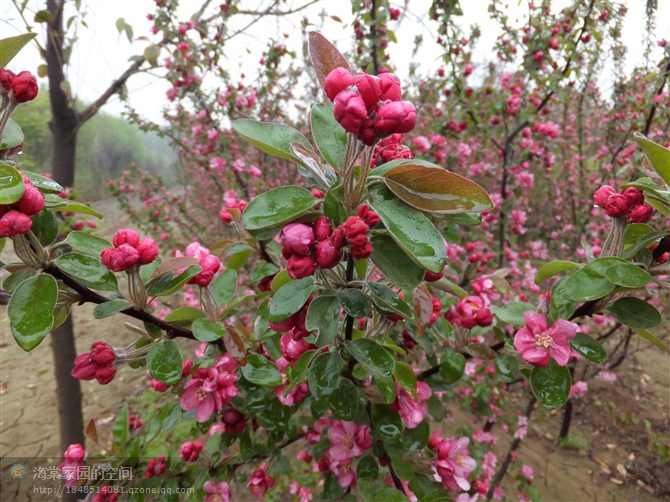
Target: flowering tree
x,y
354,323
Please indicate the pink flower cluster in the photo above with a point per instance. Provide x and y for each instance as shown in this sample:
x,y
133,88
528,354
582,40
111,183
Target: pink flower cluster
x,y
15,218
260,481
209,263
21,87
537,343
98,364
629,204
369,107
209,389
128,251
190,450
454,463
155,467
469,312
348,441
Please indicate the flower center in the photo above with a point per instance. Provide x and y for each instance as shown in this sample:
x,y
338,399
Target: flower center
x,y
348,441
201,394
459,460
543,340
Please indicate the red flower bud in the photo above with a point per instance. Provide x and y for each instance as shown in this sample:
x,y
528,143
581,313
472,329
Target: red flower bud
x,y
148,251
395,117
389,87
105,375
338,238
361,251
14,223
368,87
367,215
102,353
602,194
337,80
350,111
432,276
327,255
121,258
32,201
300,266
616,205
634,196
297,239
6,79
126,236
322,228
640,214
367,133
25,87
355,230
75,454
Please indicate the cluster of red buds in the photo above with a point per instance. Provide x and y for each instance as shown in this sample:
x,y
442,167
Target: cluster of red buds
x,y
628,204
20,88
190,450
134,422
369,107
98,364
471,311
128,251
389,149
155,467
15,218
311,246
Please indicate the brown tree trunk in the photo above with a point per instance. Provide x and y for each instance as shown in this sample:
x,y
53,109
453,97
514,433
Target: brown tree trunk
x,y
63,128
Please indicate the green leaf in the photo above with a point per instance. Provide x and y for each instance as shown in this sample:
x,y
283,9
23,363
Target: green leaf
x,y
436,190
344,400
385,384
386,421
650,337
224,287
261,371
151,53
354,302
329,136
388,302
45,227
635,313
585,285
552,268
110,308
264,270
274,139
551,384
372,356
12,136
333,209
436,496
405,376
290,298
507,368
205,330
299,371
10,47
120,431
87,244
411,230
373,491
166,284
512,313
165,362
659,156
641,243
30,310
184,315
323,316
44,184
278,206
12,282
367,468
619,272
324,374
452,366
84,267
57,204
394,263
588,348
11,184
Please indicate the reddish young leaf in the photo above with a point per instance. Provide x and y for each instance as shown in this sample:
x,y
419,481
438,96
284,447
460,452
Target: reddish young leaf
x,y
325,57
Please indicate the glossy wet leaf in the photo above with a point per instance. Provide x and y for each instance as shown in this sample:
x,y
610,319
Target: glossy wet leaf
x,y
261,272
585,285
110,308
373,491
30,310
436,190
512,313
507,368
551,384
84,267
659,156
205,330
411,230
324,374
57,204
385,385
170,282
372,356
165,362
386,421
394,263
588,348
11,184
182,314
261,371
619,272
45,227
553,268
452,366
278,206
44,184
290,298
274,139
87,244
329,136
405,376
344,400
354,302
635,313
323,317
388,302
324,56
224,287
367,468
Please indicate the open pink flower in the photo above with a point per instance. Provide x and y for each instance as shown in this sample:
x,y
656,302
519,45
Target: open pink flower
x,y
412,412
260,481
208,391
537,343
216,492
454,463
209,263
348,439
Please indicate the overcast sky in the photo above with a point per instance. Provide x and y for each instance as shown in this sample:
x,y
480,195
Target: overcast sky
x,y
101,54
